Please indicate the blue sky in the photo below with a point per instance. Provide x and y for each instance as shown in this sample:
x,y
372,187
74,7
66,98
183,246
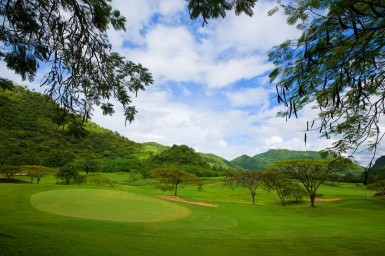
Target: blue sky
x,y
211,89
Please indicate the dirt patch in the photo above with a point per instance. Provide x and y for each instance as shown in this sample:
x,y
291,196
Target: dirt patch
x,y
326,199
177,198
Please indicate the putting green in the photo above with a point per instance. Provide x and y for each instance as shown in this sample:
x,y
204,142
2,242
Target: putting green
x,y
107,205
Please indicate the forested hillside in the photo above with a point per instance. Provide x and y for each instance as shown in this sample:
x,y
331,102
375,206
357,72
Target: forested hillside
x,y
32,132
263,160
378,169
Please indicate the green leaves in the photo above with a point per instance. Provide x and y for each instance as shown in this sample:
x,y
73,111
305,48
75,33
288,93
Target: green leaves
x,y
213,9
335,65
70,37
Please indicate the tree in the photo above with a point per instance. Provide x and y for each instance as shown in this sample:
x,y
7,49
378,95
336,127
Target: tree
x,y
37,172
173,177
212,9
10,170
92,165
284,187
336,65
70,39
311,173
249,179
68,173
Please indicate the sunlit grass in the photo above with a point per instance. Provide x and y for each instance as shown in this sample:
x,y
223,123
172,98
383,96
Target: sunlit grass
x,y
351,226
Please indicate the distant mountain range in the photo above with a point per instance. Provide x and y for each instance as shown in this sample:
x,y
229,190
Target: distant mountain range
x,y
31,135
263,160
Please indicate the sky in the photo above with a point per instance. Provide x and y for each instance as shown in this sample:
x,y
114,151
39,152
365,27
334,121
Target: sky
x,y
211,89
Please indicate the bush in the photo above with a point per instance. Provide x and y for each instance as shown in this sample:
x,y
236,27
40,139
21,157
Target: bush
x,y
378,186
102,181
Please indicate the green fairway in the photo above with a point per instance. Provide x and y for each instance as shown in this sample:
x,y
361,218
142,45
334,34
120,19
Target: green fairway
x,y
107,205
81,223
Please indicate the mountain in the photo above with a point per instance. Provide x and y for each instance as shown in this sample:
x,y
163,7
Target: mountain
x,y
217,162
246,162
263,160
378,169
31,135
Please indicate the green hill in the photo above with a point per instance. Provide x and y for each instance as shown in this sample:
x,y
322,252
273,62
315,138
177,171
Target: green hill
x,y
33,133
378,169
217,162
246,162
263,160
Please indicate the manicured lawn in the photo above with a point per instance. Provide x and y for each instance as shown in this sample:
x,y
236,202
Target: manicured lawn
x,y
351,226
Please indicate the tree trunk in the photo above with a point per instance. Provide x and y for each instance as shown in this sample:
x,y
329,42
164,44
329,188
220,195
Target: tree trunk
x,y
176,189
253,196
312,200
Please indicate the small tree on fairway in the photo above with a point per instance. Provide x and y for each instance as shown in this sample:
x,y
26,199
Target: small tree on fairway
x,y
284,187
10,170
311,173
67,173
248,179
36,172
173,177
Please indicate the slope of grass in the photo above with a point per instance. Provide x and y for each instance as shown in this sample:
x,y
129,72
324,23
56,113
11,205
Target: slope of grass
x,y
351,226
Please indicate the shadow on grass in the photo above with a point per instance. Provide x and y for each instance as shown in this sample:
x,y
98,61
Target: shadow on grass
x,y
6,180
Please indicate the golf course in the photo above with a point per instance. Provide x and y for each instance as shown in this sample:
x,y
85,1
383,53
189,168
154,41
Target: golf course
x,y
52,219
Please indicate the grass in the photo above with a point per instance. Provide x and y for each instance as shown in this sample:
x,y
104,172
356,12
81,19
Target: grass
x,y
352,226
107,205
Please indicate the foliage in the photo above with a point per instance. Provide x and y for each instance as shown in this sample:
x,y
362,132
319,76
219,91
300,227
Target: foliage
x,y
103,181
218,163
67,173
10,170
174,177
30,136
284,187
311,173
378,186
180,154
37,172
249,179
70,37
378,169
92,165
212,9
337,66
80,179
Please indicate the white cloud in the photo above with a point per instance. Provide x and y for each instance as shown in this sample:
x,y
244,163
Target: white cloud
x,y
218,59
273,141
257,97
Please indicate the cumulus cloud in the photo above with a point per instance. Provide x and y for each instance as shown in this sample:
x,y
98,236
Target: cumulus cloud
x,y
226,59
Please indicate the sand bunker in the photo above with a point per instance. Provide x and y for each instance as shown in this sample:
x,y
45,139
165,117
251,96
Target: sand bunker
x,y
177,198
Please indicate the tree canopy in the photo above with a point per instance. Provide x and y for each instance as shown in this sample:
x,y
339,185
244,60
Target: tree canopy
x,y
69,38
311,173
171,178
336,65
249,179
